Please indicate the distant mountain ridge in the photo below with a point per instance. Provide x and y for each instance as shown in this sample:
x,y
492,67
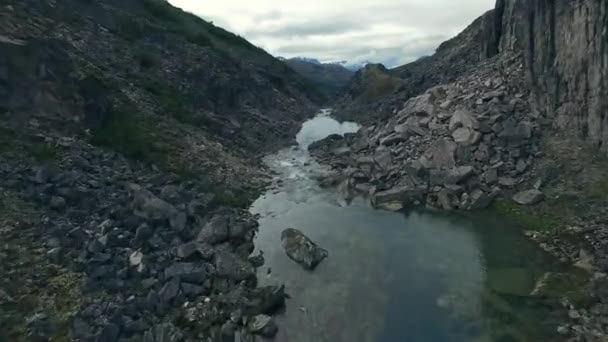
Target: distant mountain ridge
x,y
329,78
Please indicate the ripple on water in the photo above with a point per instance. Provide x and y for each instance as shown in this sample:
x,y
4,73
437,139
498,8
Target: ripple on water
x,y
394,277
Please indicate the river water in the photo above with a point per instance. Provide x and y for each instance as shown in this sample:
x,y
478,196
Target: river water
x,y
416,277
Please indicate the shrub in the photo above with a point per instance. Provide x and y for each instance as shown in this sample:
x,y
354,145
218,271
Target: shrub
x,y
130,28
127,132
146,59
172,102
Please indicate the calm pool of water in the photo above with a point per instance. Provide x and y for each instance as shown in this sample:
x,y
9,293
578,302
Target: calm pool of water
x,y
416,277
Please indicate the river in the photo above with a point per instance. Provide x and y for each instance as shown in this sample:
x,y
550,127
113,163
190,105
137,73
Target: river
x,y
420,276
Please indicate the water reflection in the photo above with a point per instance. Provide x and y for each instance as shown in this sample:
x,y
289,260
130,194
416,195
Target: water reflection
x,y
393,277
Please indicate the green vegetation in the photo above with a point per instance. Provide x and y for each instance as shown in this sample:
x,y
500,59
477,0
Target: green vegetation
x,y
131,29
525,216
146,58
128,132
171,101
42,152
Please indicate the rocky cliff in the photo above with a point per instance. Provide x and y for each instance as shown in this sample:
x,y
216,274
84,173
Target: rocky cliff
x,y
129,137
563,44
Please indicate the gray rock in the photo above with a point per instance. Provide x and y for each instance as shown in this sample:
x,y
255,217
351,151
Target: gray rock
x,y
515,134
178,221
444,200
491,176
186,250
528,197
148,206
230,265
395,139
466,136
169,291
57,203
383,158
507,182
188,272
452,176
262,325
301,249
169,193
165,332
441,154
482,200
420,105
109,333
397,198
215,231
463,119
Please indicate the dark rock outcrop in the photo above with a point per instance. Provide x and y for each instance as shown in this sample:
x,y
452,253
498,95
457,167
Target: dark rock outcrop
x,y
301,249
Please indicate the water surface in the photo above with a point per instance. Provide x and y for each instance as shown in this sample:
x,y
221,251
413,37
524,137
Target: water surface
x,y
417,277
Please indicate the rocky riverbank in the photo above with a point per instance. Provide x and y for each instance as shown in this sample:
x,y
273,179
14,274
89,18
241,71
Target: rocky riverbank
x,y
102,248
509,114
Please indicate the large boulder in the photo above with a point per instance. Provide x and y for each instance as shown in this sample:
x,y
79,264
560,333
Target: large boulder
x,y
441,154
451,176
515,133
148,206
397,198
463,119
421,106
528,197
215,231
301,249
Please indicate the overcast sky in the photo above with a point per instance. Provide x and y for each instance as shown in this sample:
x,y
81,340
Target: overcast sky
x,y
392,32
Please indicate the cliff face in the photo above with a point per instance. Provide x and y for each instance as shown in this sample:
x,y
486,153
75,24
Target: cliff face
x,y
566,57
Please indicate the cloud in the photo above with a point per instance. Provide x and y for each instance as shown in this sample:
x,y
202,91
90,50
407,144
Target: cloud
x,y
392,32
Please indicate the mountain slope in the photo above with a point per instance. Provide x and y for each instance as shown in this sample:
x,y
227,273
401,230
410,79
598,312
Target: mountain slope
x,y
329,78
130,137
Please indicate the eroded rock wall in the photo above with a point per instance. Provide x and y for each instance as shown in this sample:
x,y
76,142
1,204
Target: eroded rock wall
x,y
565,48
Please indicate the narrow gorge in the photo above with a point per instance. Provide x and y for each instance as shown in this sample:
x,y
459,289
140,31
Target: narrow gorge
x,y
165,180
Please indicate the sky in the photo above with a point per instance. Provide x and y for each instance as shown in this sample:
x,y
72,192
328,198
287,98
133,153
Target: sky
x,y
392,32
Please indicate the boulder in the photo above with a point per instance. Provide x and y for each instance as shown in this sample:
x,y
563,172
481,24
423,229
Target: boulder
x,y
452,176
108,333
421,105
482,200
164,332
463,119
188,272
383,158
57,203
148,206
515,133
466,136
215,231
395,139
301,249
528,197
397,198
262,325
441,154
230,265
